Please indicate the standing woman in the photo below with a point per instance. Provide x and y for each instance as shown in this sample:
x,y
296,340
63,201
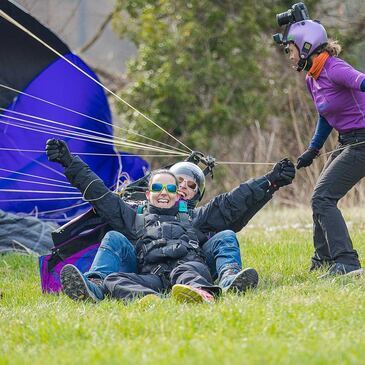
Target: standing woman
x,y
337,90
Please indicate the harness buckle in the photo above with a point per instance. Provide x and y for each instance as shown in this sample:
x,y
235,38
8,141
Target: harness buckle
x,y
194,244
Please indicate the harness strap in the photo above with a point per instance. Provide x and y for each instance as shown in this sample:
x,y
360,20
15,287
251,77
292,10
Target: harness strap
x,y
139,222
184,218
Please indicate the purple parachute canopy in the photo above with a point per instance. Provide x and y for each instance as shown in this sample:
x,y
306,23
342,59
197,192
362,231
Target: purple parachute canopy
x,y
42,97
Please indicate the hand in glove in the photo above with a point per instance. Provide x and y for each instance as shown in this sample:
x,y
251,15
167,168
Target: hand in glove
x,y
57,151
306,158
283,173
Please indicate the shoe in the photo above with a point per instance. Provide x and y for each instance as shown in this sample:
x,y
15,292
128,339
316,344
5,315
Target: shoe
x,y
188,294
319,265
149,300
240,281
342,269
77,287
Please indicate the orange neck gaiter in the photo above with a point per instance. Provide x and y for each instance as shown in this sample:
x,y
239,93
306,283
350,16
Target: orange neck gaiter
x,y
318,64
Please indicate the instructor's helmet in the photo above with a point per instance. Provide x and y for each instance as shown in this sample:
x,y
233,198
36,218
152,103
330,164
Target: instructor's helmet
x,y
191,170
309,36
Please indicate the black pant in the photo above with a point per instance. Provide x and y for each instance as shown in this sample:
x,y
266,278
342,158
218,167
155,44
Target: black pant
x,y
128,286
342,171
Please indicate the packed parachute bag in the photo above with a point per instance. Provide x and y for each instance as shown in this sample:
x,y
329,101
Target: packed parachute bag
x,y
77,242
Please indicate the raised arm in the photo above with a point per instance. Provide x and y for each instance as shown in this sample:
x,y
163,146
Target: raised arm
x,y
107,204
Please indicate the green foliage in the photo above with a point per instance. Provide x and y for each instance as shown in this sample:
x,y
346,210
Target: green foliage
x,y
198,68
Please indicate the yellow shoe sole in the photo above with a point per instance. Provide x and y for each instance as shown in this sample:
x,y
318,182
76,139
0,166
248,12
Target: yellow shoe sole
x,y
184,294
149,300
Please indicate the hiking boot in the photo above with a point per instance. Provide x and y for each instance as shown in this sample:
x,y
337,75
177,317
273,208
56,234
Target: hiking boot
x,y
239,281
76,286
188,294
342,269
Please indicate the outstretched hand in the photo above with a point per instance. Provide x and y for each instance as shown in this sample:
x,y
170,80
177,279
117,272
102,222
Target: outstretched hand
x,y
306,158
57,151
283,173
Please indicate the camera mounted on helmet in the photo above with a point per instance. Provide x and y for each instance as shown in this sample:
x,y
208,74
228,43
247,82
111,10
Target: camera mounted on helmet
x,y
309,36
296,13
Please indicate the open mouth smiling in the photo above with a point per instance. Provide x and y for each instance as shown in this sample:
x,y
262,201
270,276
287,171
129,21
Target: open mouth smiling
x,y
182,193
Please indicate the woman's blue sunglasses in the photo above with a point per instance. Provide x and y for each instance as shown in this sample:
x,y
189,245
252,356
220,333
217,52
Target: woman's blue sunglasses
x,y
157,187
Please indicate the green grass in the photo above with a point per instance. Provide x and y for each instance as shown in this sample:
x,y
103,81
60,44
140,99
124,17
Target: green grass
x,y
292,318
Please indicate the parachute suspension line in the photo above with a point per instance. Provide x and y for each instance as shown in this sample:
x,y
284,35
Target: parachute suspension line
x,y
85,115
90,153
36,199
75,135
273,163
243,163
80,128
120,171
37,182
36,176
13,21
341,148
61,209
66,125
91,136
40,192
40,163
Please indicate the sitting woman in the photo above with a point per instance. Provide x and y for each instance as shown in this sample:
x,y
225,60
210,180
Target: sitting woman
x,y
166,244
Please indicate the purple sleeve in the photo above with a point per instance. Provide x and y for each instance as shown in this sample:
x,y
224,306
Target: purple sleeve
x,y
344,74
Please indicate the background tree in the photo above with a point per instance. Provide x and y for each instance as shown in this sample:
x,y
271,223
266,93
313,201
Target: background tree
x,y
209,73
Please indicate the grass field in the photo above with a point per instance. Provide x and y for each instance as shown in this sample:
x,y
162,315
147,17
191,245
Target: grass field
x,y
292,318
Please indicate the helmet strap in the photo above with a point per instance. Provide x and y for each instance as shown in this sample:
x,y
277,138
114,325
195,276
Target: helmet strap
x,y
308,65
302,63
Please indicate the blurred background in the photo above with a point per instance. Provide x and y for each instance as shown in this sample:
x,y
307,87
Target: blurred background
x,y
209,73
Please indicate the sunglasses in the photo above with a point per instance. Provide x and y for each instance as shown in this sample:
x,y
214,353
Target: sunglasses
x,y
157,187
191,184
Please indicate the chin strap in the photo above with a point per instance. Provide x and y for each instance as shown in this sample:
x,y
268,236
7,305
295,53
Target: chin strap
x,y
302,64
305,64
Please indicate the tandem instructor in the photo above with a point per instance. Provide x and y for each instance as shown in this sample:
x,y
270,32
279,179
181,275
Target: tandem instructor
x,y
337,90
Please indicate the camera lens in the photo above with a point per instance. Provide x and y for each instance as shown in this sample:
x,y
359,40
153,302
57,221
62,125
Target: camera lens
x,y
284,18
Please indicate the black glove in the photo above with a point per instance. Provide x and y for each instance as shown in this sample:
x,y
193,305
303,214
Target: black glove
x,y
57,151
306,158
283,173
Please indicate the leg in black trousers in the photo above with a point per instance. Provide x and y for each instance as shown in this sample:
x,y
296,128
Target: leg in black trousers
x,y
130,286
195,274
331,237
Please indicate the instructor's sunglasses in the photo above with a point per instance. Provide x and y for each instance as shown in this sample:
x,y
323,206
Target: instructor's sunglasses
x,y
157,187
191,184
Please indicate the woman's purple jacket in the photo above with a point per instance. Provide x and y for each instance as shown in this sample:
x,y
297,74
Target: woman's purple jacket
x,y
339,99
